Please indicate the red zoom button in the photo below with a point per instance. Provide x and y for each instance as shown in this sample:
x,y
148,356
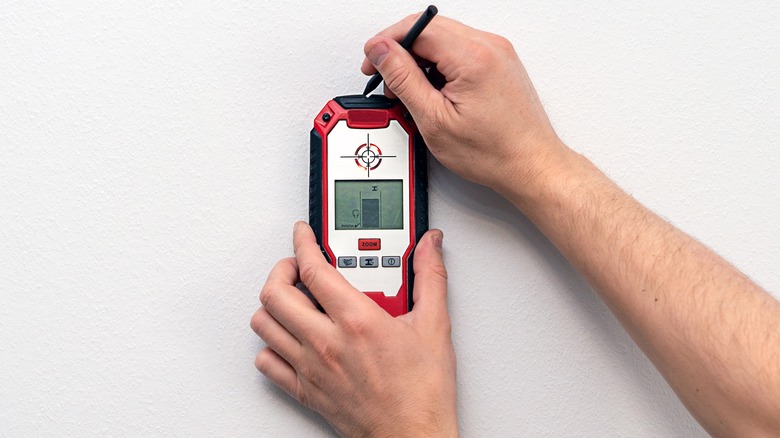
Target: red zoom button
x,y
369,244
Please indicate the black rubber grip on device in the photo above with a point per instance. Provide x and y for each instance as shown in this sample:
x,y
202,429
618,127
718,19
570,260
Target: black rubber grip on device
x,y
358,101
315,188
420,206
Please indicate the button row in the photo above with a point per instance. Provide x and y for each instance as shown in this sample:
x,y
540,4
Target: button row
x,y
370,262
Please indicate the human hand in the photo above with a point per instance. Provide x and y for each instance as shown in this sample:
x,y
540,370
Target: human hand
x,y
486,123
367,373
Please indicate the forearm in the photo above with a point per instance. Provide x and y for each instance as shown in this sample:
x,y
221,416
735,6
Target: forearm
x,y
711,332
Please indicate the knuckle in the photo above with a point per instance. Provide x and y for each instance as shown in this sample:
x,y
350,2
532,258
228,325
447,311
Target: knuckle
x,y
300,393
262,361
439,270
488,51
278,266
502,43
328,355
285,263
398,79
309,333
411,18
256,322
268,298
261,323
308,273
356,326
483,58
306,371
297,244
440,329
281,265
265,292
308,375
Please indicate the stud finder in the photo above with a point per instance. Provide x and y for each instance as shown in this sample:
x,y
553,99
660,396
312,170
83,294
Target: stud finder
x,y
368,194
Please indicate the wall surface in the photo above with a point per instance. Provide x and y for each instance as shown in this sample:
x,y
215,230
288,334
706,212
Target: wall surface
x,y
150,174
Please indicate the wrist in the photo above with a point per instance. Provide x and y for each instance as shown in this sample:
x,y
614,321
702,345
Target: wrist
x,y
429,431
531,180
546,185
566,193
434,425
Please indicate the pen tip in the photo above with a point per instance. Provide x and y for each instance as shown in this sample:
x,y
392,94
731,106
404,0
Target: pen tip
x,y
368,90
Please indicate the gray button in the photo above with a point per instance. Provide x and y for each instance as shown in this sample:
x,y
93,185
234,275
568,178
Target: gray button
x,y
369,262
391,262
347,262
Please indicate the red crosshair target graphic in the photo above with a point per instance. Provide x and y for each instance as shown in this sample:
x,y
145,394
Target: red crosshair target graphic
x,y
368,156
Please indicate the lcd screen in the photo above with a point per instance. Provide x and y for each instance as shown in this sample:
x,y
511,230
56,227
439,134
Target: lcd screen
x,y
369,205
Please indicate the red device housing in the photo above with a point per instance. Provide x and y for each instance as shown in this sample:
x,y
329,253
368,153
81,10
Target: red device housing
x,y
371,112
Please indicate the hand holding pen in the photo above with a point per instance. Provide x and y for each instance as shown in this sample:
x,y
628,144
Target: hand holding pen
x,y
406,43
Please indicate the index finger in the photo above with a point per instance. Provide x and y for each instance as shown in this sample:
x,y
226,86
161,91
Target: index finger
x,y
291,308
331,289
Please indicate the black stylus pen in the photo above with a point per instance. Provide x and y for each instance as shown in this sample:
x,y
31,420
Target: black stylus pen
x,y
406,43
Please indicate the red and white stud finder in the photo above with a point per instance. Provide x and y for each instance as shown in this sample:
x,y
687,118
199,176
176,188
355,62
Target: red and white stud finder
x,y
368,194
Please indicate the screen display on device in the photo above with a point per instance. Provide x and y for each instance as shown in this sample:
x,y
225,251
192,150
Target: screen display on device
x,y
369,205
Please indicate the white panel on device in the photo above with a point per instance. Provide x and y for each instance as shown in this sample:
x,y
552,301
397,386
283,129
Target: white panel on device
x,y
368,205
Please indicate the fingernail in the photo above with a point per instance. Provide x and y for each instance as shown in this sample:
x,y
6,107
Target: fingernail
x,y
438,238
296,226
378,53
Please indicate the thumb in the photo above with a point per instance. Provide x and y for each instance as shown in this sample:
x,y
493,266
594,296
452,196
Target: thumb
x,y
402,75
430,277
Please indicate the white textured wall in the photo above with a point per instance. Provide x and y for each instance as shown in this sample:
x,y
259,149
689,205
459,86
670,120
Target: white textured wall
x,y
152,162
